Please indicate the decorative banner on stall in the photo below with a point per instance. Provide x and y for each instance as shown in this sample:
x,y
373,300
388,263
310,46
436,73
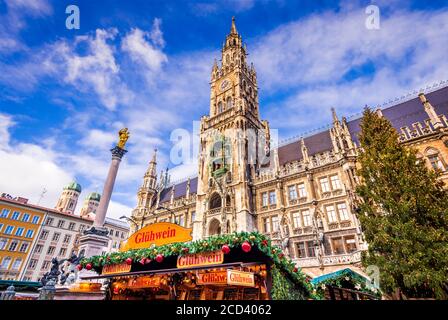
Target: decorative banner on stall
x,y
215,278
157,234
200,259
144,282
116,268
240,278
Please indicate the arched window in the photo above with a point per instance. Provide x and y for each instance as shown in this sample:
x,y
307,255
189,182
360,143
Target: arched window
x,y
214,227
435,159
227,58
229,102
215,201
219,107
228,227
228,201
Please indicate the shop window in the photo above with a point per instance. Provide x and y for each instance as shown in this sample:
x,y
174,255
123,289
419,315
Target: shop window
x,y
338,247
350,244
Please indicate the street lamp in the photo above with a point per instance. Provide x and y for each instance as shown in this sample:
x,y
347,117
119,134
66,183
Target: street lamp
x,y
131,220
169,210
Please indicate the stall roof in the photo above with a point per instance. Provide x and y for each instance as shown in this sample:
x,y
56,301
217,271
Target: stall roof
x,y
336,274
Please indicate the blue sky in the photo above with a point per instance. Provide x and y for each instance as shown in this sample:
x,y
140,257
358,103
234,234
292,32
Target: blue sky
x,y
146,65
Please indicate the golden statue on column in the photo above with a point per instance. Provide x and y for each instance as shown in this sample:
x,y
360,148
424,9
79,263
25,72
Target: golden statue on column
x,y
123,135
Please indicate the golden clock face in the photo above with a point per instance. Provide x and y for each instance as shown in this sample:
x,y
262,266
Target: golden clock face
x,y
224,84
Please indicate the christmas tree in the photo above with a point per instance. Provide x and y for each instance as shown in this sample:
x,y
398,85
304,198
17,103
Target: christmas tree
x,y
403,212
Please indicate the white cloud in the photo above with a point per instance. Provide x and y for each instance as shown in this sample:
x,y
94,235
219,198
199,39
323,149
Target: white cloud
x,y
331,60
33,7
116,210
27,169
144,48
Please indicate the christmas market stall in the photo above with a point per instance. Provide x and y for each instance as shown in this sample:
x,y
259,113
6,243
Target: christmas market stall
x,y
238,266
345,284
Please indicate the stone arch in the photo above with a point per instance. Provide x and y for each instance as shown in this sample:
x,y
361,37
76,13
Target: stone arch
x,y
214,227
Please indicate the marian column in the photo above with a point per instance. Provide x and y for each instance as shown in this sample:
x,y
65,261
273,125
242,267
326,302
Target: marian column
x,y
95,239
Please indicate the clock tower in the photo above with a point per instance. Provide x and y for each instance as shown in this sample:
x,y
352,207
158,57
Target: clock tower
x,y
234,144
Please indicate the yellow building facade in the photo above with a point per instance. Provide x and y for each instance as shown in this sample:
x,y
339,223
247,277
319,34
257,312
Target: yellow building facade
x,y
19,227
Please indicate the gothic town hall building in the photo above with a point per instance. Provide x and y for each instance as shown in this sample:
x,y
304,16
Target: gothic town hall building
x,y
300,194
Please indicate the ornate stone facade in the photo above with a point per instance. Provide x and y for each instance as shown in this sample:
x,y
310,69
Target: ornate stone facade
x,y
302,193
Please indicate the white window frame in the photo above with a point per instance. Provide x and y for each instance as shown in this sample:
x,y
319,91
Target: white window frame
x,y
335,182
343,211
324,184
331,214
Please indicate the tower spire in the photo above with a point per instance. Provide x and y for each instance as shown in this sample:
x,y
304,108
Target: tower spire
x,y
233,27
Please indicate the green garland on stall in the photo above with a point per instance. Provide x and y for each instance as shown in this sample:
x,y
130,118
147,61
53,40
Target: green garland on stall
x,y
285,265
284,289
346,280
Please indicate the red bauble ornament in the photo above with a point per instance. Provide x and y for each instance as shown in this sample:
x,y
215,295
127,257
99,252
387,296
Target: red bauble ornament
x,y
142,261
79,267
89,266
116,291
246,246
225,249
159,258
147,260
128,261
281,255
264,242
295,269
185,250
